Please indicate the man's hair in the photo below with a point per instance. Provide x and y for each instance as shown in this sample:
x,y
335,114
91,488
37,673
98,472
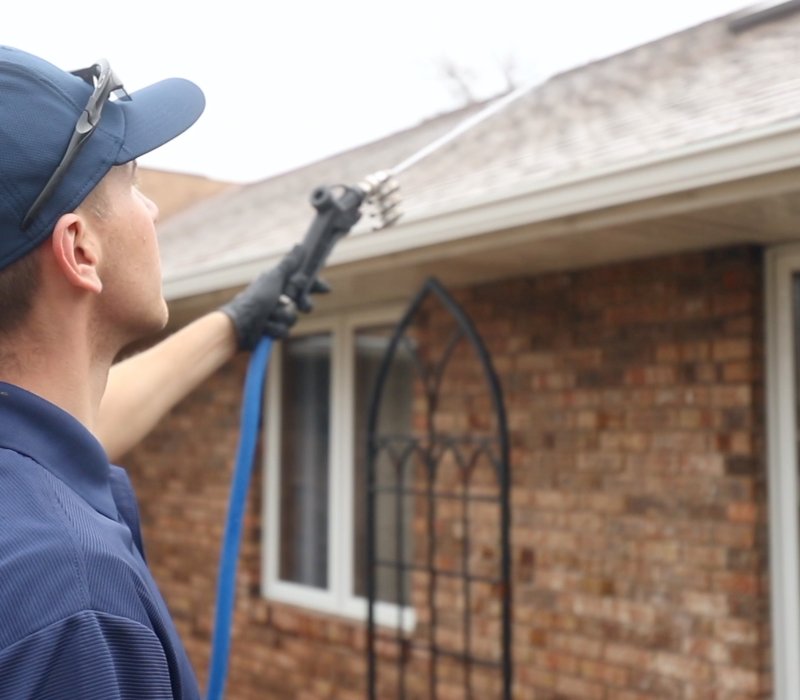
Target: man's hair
x,y
19,282
18,285
97,202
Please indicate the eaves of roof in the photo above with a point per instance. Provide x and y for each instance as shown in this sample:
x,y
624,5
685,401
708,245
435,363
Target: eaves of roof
x,y
731,158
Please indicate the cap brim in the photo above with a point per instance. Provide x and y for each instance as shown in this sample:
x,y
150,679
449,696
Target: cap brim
x,y
157,114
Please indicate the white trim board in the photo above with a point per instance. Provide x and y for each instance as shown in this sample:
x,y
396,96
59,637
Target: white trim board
x,y
781,263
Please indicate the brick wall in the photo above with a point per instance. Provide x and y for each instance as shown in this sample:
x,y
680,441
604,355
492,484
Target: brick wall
x,y
635,403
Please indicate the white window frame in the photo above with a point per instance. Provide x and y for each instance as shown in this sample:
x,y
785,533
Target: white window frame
x,y
338,598
780,265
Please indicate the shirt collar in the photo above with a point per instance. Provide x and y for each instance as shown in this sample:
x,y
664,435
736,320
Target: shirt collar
x,y
55,439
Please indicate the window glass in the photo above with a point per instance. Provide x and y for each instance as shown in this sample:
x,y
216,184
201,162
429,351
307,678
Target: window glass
x,y
304,438
394,511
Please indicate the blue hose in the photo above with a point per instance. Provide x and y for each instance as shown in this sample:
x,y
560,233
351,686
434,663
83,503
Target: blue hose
x,y
226,582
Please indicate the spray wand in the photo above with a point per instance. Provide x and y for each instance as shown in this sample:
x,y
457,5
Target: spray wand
x,y
338,209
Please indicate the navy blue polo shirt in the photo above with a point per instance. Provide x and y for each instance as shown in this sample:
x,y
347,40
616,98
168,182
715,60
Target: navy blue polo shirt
x,y
80,614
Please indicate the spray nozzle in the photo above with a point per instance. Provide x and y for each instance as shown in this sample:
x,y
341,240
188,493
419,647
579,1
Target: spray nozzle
x,y
338,210
381,192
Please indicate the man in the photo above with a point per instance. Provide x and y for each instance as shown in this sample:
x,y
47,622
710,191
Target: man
x,y
80,615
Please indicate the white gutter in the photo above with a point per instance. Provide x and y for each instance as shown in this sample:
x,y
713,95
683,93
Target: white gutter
x,y
742,155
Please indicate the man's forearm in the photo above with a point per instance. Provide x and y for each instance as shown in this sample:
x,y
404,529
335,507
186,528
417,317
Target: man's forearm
x,y
143,388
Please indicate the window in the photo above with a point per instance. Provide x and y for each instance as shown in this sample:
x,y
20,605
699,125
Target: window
x,y
319,389
783,431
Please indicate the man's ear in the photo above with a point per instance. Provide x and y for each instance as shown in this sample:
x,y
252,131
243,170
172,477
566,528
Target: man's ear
x,y
77,252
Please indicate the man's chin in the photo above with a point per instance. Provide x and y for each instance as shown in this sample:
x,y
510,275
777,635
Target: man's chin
x,y
160,323
164,315
151,326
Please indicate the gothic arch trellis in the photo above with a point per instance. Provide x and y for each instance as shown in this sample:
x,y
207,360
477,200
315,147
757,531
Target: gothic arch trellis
x,y
461,644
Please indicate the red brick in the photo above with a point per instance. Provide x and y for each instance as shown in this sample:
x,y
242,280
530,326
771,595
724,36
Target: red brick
x,y
579,689
706,604
746,512
685,668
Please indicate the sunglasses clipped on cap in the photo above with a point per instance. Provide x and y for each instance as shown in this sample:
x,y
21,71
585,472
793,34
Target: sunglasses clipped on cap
x,y
105,84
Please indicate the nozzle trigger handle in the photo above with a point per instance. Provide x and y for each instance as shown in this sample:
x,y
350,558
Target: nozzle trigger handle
x,y
336,216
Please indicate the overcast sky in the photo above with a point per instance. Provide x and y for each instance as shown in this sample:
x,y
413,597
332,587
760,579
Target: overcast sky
x,y
288,83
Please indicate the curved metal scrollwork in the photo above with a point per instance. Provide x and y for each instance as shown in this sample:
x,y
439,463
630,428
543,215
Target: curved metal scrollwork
x,y
440,489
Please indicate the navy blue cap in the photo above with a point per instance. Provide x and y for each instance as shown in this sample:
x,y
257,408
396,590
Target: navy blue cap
x,y
39,107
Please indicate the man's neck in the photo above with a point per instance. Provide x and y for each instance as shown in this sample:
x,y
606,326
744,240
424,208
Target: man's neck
x,y
65,372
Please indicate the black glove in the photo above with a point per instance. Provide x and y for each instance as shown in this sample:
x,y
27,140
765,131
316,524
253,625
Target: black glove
x,y
257,311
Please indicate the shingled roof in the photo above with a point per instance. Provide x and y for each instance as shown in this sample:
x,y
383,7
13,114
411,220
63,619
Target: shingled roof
x,y
695,86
